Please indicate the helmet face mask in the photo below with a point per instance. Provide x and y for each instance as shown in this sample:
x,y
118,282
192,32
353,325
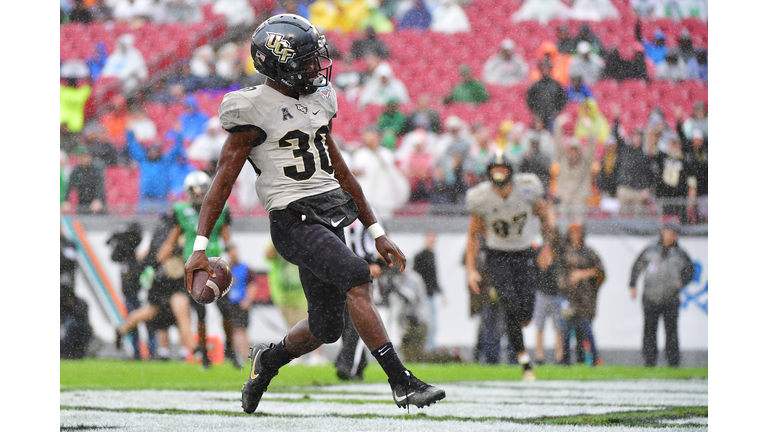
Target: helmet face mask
x,y
499,177
289,50
196,185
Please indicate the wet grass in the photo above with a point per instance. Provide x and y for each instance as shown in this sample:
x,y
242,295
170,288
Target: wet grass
x,y
626,419
632,418
102,374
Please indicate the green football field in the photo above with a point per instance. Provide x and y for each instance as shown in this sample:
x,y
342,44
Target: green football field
x,y
135,375
129,395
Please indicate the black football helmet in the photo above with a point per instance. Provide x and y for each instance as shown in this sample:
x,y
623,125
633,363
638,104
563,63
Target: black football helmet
x,y
289,49
500,158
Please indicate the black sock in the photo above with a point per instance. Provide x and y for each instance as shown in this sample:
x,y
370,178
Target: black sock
x,y
277,357
389,361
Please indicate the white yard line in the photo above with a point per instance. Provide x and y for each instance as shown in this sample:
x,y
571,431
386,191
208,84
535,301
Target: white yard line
x,y
111,422
317,405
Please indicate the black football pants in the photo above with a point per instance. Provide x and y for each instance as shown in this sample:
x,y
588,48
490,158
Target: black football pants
x,y
652,312
514,276
327,268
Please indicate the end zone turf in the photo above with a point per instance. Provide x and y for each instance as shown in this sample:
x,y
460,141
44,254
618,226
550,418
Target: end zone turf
x,y
101,394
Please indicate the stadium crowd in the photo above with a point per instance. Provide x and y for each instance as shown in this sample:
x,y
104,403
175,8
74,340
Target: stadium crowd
x,y
600,120
437,140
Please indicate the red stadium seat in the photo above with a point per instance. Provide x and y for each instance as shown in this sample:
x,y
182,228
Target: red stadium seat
x,y
121,189
426,62
209,102
606,90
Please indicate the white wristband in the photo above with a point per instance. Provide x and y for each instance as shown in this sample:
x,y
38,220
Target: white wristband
x,y
201,243
375,230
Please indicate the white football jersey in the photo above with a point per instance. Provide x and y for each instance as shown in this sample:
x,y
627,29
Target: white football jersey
x,y
293,162
511,223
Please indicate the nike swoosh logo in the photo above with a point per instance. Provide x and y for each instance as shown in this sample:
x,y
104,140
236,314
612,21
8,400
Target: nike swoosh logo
x,y
315,113
400,399
336,223
253,368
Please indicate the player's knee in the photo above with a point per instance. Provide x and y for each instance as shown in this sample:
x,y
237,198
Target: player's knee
x,y
328,327
358,294
359,273
328,334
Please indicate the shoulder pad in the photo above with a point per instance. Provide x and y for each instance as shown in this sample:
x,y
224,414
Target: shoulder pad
x,y
237,110
475,197
529,185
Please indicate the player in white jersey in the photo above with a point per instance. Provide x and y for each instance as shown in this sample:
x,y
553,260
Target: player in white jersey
x,y
283,128
505,210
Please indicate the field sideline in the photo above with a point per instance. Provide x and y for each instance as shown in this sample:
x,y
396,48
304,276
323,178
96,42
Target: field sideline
x,y
172,396
135,375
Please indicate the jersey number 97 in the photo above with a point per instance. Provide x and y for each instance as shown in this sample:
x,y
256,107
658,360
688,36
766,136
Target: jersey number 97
x,y
503,228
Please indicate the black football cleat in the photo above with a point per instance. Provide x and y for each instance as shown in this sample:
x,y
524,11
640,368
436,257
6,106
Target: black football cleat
x,y
409,390
258,380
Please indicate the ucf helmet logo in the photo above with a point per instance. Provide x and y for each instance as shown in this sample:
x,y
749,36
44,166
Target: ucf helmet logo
x,y
280,47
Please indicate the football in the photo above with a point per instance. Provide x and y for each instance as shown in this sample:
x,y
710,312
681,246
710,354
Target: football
x,y
206,289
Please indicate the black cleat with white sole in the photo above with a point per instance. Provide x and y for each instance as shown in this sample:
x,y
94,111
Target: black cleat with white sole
x,y
409,390
258,380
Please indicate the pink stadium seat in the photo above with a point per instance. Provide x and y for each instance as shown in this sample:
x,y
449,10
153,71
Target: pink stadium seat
x,y
611,26
611,40
425,69
209,103
99,32
606,89
121,189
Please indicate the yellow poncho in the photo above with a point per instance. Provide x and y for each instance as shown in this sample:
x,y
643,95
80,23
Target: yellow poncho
x,y
588,109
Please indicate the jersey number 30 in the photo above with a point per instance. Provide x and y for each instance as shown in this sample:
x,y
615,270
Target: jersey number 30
x,y
299,141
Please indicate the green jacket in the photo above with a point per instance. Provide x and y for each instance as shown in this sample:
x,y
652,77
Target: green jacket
x,y
391,126
468,91
187,217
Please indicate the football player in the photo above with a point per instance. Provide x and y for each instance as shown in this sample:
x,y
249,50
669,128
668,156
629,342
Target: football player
x,y
168,303
185,217
283,129
502,210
